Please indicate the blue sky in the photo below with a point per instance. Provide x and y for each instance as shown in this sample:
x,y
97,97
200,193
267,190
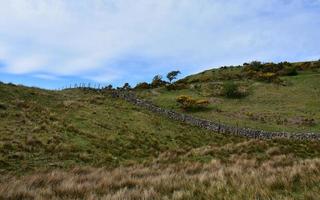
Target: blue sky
x,y
54,43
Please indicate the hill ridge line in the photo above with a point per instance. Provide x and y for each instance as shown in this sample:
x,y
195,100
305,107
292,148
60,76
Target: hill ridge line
x,y
210,125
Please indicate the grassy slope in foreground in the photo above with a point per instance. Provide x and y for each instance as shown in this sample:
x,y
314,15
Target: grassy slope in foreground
x,y
268,106
142,154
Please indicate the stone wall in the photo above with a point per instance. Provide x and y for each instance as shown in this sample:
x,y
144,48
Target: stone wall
x,y
213,126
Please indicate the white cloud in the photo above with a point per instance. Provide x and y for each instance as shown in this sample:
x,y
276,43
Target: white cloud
x,y
46,77
82,37
25,64
103,78
106,76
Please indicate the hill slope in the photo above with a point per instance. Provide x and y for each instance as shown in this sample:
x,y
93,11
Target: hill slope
x,y
41,128
287,103
82,144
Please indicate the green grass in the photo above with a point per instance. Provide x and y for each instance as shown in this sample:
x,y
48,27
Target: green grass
x,y
268,106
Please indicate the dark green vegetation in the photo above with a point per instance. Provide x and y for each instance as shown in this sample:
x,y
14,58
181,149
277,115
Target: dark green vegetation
x,y
273,97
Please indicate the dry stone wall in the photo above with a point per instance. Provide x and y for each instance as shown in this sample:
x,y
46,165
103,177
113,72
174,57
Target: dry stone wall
x,y
212,126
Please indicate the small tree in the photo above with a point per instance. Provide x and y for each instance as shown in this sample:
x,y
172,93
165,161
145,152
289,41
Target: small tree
x,y
126,86
290,71
157,81
157,78
172,75
109,87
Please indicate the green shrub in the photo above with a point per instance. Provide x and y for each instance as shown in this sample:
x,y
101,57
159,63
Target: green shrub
x,y
289,71
256,65
157,81
232,90
269,72
176,86
142,86
109,87
305,66
171,87
204,78
270,67
268,76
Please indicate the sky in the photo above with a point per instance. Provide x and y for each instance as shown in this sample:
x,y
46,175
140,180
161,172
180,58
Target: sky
x,y
55,43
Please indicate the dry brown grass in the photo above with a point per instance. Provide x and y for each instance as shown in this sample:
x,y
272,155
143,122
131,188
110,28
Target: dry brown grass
x,y
280,177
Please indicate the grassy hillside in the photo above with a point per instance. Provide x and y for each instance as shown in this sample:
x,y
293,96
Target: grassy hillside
x,y
60,129
289,103
81,144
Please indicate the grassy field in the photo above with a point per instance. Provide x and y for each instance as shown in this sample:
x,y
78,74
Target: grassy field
x,y
77,144
293,106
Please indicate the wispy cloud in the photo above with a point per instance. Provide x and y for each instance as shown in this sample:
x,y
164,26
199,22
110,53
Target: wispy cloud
x,y
130,41
106,75
46,77
27,64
